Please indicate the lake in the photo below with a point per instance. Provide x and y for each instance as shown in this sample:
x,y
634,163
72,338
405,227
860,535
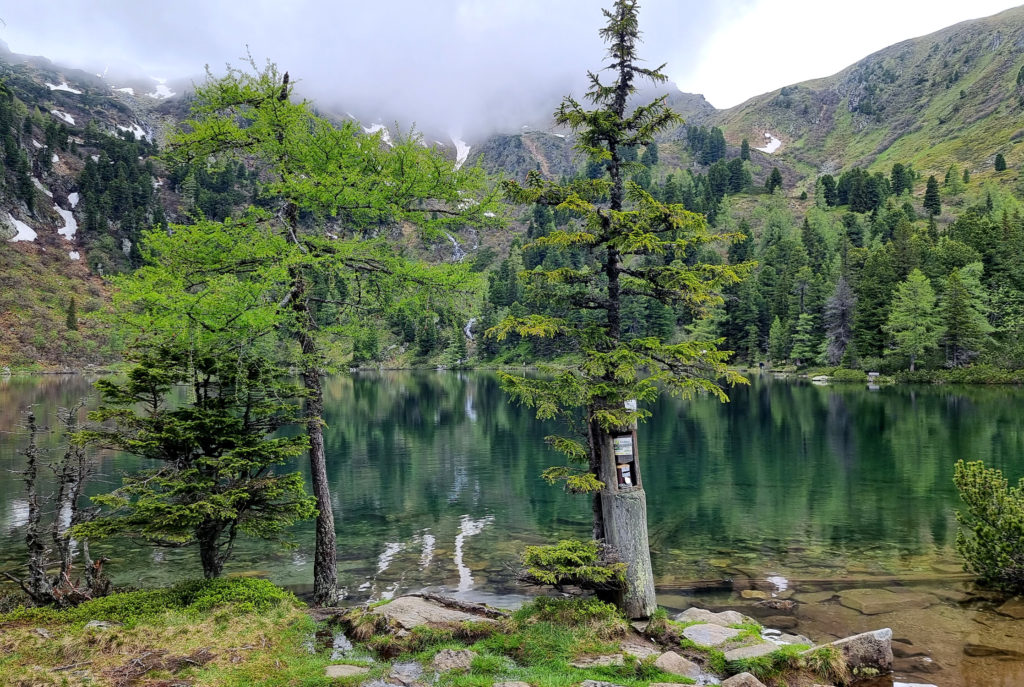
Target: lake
x,y
820,495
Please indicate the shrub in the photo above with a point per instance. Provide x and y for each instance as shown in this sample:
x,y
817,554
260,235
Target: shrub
x,y
570,561
991,536
844,375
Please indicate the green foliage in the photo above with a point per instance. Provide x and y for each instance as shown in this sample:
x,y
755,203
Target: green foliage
x,y
932,200
193,597
1000,163
71,321
850,376
913,322
991,534
573,562
774,181
218,472
625,252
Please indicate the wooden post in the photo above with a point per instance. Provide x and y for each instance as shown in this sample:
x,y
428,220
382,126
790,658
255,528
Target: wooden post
x,y
624,509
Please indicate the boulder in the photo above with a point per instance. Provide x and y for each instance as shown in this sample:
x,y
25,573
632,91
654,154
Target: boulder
x,y
598,683
345,670
753,594
725,618
866,650
100,625
671,662
742,680
752,651
513,683
408,612
876,601
406,673
452,659
707,634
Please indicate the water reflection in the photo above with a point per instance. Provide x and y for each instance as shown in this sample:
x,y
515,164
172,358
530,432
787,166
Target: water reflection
x,y
435,481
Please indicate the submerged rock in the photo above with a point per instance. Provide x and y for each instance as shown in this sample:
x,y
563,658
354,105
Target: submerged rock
x,y
1013,608
876,601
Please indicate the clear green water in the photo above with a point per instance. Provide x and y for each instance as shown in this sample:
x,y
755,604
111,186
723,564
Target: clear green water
x,y
787,476
435,481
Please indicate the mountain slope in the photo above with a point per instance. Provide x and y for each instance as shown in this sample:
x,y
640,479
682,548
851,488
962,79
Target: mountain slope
x,y
953,96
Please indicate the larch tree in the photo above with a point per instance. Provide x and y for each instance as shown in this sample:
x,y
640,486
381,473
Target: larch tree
x,y
635,248
333,189
202,315
913,323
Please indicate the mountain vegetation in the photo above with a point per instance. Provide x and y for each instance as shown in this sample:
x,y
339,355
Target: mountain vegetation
x,y
904,163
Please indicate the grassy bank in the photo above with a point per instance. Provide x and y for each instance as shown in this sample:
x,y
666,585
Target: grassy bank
x,y
229,633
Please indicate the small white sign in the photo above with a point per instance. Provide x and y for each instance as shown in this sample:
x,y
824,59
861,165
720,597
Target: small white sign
x,y
623,445
630,404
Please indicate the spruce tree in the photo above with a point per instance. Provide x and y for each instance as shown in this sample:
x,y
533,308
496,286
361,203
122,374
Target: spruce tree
x,y
745,150
72,316
774,180
1000,163
932,199
623,237
962,315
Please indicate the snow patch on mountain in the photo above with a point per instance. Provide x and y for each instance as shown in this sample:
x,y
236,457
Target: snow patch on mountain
x,y
385,134
161,91
771,144
24,231
70,225
39,185
63,86
127,89
136,129
65,116
73,199
461,151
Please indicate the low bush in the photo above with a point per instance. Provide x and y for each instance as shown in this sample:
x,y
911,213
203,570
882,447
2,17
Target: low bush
x,y
852,376
991,535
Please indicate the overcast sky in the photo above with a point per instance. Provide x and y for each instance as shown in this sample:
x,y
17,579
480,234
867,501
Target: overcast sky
x,y
456,63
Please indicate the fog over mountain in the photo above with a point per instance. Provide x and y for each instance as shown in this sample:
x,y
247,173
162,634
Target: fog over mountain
x,y
459,66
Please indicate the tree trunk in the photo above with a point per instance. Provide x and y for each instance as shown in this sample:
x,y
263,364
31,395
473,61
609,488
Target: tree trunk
x,y
624,520
325,559
213,564
911,362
